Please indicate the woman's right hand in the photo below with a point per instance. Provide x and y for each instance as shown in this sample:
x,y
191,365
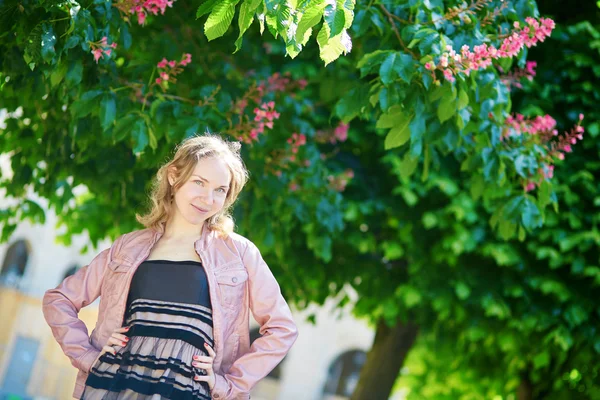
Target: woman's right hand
x,y
116,339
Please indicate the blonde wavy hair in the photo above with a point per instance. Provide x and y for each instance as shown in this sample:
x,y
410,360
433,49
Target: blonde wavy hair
x,y
187,155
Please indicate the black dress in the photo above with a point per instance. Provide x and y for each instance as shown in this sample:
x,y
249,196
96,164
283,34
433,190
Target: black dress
x,y
170,318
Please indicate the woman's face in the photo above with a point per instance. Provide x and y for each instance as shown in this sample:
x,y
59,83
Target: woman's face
x,y
203,194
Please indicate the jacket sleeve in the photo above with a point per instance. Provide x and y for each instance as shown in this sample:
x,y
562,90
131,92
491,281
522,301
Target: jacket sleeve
x,y
61,307
277,328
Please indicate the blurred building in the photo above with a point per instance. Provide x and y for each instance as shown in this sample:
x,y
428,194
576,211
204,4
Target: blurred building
x,y
324,364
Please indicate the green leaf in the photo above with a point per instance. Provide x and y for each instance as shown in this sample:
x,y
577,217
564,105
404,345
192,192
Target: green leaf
x,y
108,110
530,214
123,127
408,166
397,65
463,99
389,118
48,42
205,8
309,19
139,134
75,73
219,19
332,47
541,360
335,17
351,105
462,290
400,133
370,61
85,104
446,108
58,74
245,17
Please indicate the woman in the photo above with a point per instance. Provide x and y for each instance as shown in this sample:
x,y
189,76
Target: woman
x,y
175,297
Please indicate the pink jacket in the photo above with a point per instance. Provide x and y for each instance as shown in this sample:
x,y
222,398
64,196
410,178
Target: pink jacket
x,y
239,280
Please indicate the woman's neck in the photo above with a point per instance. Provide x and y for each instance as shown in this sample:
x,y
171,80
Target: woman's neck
x,y
179,229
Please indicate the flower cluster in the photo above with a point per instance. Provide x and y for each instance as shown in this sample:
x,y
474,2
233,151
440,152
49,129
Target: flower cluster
x,y
141,8
102,48
263,117
452,63
286,158
339,182
338,134
543,130
514,77
518,125
296,141
168,70
247,130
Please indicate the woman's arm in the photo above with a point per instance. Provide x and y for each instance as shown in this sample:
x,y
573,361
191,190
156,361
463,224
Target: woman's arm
x,y
61,307
277,328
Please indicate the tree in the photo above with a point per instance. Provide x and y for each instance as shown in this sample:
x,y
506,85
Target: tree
x,y
100,92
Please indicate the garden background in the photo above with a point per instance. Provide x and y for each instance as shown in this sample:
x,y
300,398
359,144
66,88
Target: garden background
x,y
429,165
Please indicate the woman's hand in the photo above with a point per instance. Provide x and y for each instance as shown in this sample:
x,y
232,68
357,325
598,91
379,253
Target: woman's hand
x,y
116,339
206,363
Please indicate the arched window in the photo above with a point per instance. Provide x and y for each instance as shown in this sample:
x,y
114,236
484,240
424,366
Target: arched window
x,y
276,373
343,374
14,264
72,269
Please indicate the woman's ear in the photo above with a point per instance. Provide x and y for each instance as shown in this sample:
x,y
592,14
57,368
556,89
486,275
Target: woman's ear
x,y
171,175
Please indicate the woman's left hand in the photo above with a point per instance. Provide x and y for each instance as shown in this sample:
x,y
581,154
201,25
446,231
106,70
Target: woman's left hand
x,y
206,363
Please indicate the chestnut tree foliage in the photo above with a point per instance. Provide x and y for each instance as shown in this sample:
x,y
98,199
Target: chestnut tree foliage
x,y
385,150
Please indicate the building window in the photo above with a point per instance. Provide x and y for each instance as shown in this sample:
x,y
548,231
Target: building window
x,y
72,269
276,373
14,264
344,373
19,368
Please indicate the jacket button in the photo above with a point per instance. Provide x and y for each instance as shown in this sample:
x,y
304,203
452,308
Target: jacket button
x,y
234,279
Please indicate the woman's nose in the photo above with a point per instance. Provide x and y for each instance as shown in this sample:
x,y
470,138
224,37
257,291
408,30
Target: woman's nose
x,y
207,197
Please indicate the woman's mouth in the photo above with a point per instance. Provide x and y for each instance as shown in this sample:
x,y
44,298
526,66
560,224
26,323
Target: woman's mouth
x,y
199,209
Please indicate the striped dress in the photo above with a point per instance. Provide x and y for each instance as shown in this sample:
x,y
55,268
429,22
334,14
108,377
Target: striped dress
x,y
170,318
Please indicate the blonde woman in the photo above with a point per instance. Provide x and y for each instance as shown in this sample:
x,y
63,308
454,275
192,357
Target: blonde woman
x,y
175,297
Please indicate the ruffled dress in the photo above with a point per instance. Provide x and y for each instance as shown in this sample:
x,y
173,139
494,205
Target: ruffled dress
x,y
170,318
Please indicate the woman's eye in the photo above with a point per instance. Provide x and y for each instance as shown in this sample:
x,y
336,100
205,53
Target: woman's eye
x,y
198,182
222,190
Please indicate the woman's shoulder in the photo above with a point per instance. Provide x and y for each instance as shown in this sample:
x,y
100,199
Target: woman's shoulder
x,y
132,240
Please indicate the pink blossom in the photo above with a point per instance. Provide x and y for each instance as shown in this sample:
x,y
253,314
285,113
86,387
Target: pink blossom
x,y
172,64
293,186
302,83
567,148
113,45
341,132
141,18
158,80
448,75
429,66
561,156
530,186
482,55
164,76
97,54
581,117
108,52
187,58
162,63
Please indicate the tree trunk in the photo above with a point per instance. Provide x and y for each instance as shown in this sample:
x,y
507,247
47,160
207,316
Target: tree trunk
x,y
525,390
390,347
